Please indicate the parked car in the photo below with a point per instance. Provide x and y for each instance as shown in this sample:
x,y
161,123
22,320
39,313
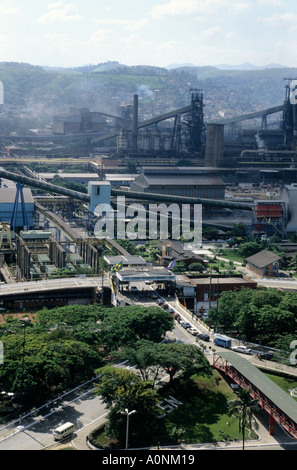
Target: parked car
x,y
203,336
241,349
267,356
193,331
134,289
186,324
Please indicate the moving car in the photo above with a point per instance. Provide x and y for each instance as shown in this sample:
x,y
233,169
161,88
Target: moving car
x,y
241,349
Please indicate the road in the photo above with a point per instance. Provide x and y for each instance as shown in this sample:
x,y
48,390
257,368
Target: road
x,y
82,407
49,284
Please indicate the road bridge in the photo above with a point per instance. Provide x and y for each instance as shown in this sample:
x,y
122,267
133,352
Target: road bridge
x,y
50,292
280,406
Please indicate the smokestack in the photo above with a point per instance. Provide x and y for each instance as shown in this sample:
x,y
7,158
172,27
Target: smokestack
x,y
214,145
135,122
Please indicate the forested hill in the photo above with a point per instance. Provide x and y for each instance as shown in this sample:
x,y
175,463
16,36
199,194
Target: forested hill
x,y
44,92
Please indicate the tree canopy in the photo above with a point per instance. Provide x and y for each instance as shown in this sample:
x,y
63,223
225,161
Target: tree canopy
x,y
256,314
64,346
121,389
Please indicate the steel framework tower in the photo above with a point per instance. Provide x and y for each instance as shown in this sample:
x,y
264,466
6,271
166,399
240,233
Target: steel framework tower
x,y
19,193
197,127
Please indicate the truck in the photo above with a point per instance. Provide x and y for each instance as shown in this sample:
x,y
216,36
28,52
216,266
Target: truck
x,y
222,341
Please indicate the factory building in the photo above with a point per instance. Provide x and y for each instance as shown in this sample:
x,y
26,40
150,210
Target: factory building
x,y
180,181
269,218
78,120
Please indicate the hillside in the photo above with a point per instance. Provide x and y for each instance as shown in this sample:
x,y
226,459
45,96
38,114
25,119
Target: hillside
x,y
39,93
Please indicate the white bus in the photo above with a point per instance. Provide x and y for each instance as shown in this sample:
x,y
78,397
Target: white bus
x,y
63,431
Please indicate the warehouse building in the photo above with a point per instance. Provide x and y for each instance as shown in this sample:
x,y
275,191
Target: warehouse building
x,y
180,181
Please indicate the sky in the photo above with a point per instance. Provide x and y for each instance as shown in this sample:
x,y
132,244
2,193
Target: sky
x,y
72,33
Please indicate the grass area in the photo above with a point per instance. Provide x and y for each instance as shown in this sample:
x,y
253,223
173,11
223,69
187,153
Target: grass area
x,y
232,255
202,415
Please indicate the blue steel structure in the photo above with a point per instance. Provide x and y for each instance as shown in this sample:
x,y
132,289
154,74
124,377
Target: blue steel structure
x,y
19,194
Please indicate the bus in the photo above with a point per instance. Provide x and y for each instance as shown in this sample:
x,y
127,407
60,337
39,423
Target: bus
x,y
63,431
222,341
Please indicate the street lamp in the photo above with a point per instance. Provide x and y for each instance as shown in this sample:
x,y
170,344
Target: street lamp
x,y
25,321
126,412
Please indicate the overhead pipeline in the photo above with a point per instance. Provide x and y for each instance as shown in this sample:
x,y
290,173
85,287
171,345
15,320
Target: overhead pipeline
x,y
128,194
43,185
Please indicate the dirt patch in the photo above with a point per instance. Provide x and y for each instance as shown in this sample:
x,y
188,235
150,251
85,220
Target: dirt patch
x,y
16,315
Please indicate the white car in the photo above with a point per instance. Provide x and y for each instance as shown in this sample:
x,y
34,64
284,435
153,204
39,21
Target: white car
x,y
193,331
241,349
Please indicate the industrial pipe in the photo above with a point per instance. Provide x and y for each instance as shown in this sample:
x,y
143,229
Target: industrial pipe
x,y
128,194
182,199
46,186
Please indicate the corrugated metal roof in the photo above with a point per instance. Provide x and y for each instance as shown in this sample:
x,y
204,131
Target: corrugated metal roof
x,y
272,391
182,180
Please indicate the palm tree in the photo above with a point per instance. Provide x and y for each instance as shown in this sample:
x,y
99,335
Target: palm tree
x,y
241,409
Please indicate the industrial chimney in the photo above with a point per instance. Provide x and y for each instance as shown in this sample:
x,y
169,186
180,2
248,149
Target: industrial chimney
x,y
135,123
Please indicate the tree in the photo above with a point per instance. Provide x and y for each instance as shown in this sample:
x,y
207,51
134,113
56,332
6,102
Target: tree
x,y
256,313
196,267
145,355
241,409
122,389
126,325
43,366
187,358
210,232
238,230
70,314
248,249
